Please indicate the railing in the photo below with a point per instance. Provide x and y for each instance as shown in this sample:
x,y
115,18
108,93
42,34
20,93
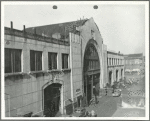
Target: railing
x,y
15,32
106,91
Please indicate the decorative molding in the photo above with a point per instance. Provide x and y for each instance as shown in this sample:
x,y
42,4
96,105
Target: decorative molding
x,y
35,72
19,33
13,74
7,42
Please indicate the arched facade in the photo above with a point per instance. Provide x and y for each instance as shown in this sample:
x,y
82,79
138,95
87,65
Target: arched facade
x,y
52,94
90,34
91,70
115,65
82,71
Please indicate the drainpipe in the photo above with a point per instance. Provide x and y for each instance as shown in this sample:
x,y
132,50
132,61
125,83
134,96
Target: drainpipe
x,y
71,66
8,102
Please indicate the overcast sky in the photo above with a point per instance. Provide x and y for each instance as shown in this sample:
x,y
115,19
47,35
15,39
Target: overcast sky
x,y
122,26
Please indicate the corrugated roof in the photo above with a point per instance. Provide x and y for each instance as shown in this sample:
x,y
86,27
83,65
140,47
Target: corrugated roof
x,y
55,28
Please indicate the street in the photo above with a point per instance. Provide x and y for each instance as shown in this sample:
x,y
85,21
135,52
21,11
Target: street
x,y
131,103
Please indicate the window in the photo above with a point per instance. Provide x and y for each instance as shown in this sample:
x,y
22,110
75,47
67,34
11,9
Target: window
x,y
35,60
64,61
52,61
107,61
12,60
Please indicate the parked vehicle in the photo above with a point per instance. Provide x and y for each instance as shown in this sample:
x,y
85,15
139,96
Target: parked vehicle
x,y
79,112
116,89
117,93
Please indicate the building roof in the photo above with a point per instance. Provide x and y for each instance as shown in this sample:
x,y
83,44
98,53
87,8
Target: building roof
x,y
62,28
114,53
134,55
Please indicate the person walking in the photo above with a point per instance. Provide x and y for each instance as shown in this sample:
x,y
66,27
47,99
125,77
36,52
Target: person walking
x,y
95,94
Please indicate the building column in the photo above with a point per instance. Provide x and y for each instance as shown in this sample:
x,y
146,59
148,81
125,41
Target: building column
x,y
92,85
62,99
86,87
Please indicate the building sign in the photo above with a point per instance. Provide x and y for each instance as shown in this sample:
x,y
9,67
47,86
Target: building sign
x,y
78,92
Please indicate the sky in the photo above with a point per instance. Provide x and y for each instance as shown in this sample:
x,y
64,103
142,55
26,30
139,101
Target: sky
x,y
122,26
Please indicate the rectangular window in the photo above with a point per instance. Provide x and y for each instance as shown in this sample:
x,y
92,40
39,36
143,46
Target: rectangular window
x,y
107,61
35,60
12,60
64,61
52,60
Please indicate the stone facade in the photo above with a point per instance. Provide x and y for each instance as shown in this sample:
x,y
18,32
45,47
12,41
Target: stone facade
x,y
25,88
134,62
24,91
115,62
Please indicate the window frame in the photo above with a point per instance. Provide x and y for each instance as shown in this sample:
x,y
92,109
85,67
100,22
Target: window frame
x,y
63,60
13,53
53,53
36,56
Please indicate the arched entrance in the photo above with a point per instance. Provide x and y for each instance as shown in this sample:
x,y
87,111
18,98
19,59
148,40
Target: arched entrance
x,y
116,75
110,77
52,99
121,73
91,71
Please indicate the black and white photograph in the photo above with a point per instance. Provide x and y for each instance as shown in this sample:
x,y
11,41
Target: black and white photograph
x,y
75,60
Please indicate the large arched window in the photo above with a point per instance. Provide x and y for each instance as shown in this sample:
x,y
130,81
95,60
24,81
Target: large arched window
x,y
91,59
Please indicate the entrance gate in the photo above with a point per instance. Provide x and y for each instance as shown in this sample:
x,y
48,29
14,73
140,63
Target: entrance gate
x,y
52,100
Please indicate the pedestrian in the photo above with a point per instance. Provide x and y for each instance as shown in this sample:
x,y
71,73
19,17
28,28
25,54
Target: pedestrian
x,y
94,92
113,86
106,90
84,103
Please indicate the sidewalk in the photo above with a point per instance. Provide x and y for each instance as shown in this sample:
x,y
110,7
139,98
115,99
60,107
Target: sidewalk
x,y
129,112
106,107
127,109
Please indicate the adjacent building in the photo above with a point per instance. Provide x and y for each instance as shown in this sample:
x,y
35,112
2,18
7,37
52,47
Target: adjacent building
x,y
134,62
51,69
134,67
115,64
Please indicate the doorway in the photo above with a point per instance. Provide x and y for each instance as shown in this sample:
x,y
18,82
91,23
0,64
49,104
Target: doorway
x,y
110,77
52,100
91,70
116,75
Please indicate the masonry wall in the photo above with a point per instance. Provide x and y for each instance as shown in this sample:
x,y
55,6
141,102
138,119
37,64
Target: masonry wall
x,y
76,68
25,90
115,66
86,37
105,75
